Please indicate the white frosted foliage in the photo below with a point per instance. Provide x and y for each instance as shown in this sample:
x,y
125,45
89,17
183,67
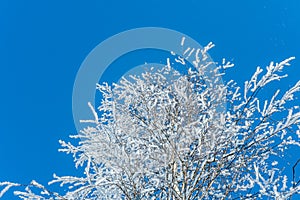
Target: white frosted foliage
x,y
170,135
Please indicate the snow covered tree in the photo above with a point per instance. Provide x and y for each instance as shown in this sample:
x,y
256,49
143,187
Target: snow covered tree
x,y
169,134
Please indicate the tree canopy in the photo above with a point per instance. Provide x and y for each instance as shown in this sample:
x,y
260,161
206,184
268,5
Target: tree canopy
x,y
174,134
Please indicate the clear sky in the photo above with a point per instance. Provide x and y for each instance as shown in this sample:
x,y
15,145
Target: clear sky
x,y
43,43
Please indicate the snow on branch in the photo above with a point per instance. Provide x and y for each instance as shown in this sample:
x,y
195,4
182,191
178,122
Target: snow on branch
x,y
172,135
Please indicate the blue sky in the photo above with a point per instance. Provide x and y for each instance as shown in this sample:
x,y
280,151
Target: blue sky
x,y
43,43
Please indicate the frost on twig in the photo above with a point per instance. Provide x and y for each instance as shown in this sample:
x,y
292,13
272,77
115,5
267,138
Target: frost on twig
x,y
172,135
